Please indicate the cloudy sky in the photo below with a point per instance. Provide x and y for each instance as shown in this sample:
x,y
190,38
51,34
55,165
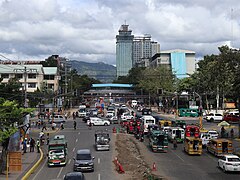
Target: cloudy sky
x,y
86,29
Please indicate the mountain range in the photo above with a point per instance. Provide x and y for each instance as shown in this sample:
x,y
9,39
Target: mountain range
x,y
103,72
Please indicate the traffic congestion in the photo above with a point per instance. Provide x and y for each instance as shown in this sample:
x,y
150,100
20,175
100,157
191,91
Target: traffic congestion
x,y
83,147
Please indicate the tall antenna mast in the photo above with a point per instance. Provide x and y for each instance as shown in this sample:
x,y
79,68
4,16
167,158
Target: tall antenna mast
x,y
231,44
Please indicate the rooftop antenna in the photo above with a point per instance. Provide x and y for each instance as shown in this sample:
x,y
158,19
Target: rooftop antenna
x,y
125,22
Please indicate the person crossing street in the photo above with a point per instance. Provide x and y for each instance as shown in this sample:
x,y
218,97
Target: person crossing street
x,y
74,124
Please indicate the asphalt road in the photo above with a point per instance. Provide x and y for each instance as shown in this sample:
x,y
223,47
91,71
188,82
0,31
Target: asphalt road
x,y
79,139
176,164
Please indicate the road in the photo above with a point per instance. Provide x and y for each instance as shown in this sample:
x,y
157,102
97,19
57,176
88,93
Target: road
x,y
176,164
79,139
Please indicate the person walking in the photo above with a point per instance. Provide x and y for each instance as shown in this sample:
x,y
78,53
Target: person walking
x,y
32,145
38,146
174,143
44,126
74,124
25,145
232,133
47,138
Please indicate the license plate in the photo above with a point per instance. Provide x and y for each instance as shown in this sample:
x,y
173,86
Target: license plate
x,y
159,148
235,169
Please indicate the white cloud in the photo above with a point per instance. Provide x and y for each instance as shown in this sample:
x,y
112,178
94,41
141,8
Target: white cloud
x,y
86,29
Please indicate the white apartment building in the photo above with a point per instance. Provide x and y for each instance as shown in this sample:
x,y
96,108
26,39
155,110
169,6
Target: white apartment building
x,y
35,75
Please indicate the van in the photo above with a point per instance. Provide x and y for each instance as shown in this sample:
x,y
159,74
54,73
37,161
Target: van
x,y
218,147
176,133
83,161
57,119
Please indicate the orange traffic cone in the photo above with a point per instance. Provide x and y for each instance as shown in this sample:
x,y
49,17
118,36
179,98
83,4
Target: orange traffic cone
x,y
154,167
120,168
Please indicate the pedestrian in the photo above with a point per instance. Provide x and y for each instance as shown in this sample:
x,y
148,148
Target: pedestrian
x,y
32,145
25,145
222,132
65,115
47,138
61,126
44,126
74,124
38,146
174,143
74,115
232,133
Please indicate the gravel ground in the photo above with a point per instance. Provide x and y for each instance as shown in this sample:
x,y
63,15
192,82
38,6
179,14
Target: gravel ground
x,y
134,157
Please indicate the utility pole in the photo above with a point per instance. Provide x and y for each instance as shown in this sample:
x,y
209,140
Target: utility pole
x,y
25,73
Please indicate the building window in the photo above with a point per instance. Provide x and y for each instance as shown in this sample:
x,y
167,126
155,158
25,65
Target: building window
x,y
31,85
48,77
5,76
19,76
32,76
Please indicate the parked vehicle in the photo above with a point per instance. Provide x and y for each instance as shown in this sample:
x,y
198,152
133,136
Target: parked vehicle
x,y
146,111
219,147
193,145
57,151
96,121
232,117
102,140
83,161
176,133
158,141
214,117
229,163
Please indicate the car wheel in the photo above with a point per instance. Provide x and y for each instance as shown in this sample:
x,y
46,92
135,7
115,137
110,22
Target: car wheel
x,y
105,124
211,120
224,169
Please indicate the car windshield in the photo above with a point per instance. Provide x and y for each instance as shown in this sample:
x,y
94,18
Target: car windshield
x,y
73,177
234,159
84,157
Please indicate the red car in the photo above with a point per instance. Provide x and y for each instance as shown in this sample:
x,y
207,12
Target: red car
x,y
231,118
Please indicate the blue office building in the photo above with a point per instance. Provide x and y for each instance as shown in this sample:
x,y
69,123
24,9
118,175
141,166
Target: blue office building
x,y
124,51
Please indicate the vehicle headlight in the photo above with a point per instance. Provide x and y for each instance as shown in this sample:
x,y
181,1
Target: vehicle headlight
x,y
91,164
62,156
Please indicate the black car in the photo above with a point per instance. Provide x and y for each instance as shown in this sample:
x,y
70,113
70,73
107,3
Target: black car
x,y
86,118
83,161
74,176
146,111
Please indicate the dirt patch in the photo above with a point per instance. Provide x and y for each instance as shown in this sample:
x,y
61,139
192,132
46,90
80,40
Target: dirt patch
x,y
132,159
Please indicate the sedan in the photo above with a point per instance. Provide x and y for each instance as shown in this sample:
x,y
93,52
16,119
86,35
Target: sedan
x,y
74,176
96,121
229,163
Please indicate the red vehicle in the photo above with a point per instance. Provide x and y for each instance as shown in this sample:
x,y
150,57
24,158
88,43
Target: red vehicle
x,y
130,127
124,123
231,118
192,131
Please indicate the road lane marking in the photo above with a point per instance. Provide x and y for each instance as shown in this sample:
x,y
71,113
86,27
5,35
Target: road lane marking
x,y
78,132
59,172
98,160
73,149
178,156
76,140
211,157
40,169
99,176
69,161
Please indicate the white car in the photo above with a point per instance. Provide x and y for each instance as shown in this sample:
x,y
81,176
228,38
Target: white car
x,y
96,121
214,117
126,116
56,119
213,134
229,163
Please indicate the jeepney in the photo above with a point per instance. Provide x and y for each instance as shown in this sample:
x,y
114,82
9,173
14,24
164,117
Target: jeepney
x,y
158,141
163,123
102,140
176,133
193,145
57,151
219,147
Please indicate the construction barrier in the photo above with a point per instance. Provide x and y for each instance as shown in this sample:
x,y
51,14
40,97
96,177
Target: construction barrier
x,y
154,168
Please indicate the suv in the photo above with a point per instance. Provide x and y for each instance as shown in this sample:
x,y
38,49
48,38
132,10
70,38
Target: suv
x,y
57,119
74,176
83,161
213,117
96,121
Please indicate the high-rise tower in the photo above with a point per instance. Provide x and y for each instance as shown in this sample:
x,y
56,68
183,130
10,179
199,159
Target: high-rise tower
x,y
124,49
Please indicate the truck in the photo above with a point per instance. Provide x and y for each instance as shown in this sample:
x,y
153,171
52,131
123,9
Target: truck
x,y
158,141
82,111
57,151
102,140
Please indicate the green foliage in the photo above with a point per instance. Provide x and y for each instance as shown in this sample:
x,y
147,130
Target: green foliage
x,y
50,61
10,113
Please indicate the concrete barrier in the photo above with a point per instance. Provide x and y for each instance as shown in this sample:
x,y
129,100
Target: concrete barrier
x,y
28,174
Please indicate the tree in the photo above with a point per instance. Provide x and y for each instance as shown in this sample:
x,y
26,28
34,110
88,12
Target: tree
x,y
10,115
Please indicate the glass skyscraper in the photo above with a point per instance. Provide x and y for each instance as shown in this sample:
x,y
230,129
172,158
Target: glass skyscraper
x,y
124,50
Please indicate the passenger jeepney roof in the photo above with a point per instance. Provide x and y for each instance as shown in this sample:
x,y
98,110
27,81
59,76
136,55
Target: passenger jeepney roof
x,y
57,141
221,140
158,132
193,138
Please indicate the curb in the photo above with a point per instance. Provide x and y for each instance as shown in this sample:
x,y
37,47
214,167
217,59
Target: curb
x,y
27,175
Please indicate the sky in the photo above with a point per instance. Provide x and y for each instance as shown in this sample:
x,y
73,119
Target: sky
x,y
86,30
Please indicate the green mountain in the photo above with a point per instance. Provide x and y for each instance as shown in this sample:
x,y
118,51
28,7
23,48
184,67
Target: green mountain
x,y
104,72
